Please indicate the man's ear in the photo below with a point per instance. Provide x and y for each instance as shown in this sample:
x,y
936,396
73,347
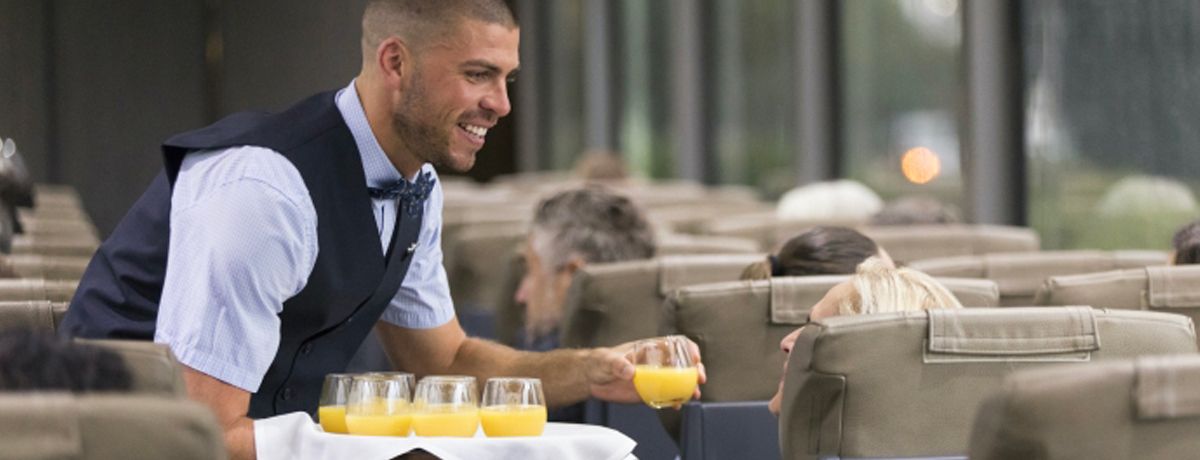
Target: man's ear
x,y
394,60
573,264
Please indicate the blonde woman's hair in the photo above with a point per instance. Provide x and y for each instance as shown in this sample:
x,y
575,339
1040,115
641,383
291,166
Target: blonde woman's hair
x,y
880,288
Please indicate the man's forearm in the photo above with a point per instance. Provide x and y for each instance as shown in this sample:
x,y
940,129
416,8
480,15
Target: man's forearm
x,y
239,439
564,373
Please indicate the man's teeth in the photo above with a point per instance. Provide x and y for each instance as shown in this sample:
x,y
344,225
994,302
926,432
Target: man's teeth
x,y
473,129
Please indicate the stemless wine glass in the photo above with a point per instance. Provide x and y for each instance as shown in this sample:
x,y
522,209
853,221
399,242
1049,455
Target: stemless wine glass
x,y
379,405
446,406
513,407
331,410
666,375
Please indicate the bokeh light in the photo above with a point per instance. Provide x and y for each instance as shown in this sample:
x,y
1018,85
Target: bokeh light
x,y
920,165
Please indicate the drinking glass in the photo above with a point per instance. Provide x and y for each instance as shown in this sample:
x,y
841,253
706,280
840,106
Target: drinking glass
x,y
379,405
513,407
446,406
666,375
331,410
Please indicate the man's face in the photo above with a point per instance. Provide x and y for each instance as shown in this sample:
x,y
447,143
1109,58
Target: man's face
x,y
458,90
826,307
543,291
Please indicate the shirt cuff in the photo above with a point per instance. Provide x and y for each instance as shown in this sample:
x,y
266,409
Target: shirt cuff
x,y
214,366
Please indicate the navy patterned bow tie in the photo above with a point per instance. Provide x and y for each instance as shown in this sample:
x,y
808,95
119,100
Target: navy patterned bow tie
x,y
412,195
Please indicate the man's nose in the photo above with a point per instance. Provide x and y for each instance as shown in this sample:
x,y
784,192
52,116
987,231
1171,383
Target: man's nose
x,y
497,102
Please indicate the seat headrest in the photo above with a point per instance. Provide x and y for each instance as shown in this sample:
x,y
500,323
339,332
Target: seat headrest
x,y
1174,286
998,334
152,366
1167,387
675,272
792,297
40,315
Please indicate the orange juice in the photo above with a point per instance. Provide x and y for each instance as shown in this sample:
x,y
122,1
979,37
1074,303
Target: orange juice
x,y
513,420
379,425
665,386
333,418
380,417
446,420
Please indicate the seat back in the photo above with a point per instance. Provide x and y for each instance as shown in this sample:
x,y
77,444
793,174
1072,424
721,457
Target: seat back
x,y
1147,408
38,315
909,243
770,231
907,384
680,244
47,267
1020,274
154,369
20,289
738,326
1170,289
107,427
55,245
609,304
477,270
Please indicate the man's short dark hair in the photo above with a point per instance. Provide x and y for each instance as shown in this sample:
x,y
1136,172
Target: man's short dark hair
x,y
419,22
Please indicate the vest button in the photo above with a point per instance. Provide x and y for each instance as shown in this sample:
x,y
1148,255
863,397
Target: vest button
x,y
286,394
306,348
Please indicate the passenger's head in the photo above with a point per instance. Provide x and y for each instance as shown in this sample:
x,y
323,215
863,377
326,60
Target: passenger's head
x,y
839,200
819,251
1186,245
915,210
438,72
38,361
571,229
600,166
876,287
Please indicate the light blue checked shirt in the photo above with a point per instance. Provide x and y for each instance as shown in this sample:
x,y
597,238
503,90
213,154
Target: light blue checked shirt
x,y
244,240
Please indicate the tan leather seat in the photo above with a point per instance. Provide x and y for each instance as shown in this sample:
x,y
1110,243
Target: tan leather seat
x,y
46,267
770,231
152,365
65,228
477,270
36,289
738,326
54,245
908,384
1145,408
1020,274
680,244
1170,289
39,315
609,304
106,427
909,243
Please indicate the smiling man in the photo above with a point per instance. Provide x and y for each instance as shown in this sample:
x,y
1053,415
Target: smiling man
x,y
273,243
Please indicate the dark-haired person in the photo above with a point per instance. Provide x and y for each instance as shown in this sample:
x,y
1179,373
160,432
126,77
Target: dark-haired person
x,y
32,361
272,243
818,251
1186,245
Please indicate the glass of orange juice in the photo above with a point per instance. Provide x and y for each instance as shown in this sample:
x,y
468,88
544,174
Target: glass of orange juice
x,y
513,407
666,375
331,410
379,405
446,406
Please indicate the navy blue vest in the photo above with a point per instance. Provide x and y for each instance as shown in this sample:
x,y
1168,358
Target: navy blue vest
x,y
351,283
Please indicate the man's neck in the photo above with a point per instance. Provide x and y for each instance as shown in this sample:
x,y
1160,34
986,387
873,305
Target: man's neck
x,y
379,118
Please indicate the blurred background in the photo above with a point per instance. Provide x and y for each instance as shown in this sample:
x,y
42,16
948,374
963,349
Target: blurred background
x,y
1076,118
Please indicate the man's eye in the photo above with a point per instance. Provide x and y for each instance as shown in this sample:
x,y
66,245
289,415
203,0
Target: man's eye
x,y
477,75
511,79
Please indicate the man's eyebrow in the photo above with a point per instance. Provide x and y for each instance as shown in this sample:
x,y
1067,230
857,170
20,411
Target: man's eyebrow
x,y
493,68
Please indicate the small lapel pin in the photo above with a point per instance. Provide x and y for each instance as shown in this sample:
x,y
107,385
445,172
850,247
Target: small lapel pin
x,y
412,248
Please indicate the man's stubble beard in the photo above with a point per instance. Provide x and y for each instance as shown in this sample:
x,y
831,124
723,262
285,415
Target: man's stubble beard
x,y
428,142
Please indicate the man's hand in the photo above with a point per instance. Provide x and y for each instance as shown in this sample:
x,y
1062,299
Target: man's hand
x,y
610,372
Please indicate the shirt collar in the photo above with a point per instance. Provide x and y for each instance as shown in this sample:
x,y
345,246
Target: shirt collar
x,y
379,170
